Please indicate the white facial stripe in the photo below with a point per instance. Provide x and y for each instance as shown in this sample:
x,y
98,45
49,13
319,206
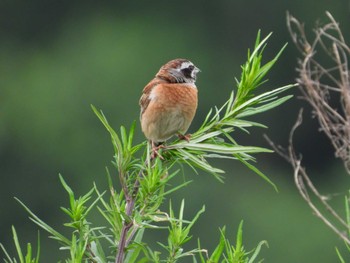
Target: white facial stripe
x,y
186,65
179,76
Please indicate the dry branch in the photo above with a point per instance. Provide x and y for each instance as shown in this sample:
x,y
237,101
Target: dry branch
x,y
321,84
324,81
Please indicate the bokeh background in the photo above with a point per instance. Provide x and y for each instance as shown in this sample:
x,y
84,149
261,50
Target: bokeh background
x,y
58,57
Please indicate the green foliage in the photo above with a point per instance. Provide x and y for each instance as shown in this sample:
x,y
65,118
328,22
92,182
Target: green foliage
x,y
347,217
228,253
28,258
144,183
213,139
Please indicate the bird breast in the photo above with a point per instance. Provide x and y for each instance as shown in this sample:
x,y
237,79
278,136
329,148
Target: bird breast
x,y
171,110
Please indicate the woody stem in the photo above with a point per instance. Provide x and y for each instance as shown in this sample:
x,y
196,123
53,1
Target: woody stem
x,y
130,204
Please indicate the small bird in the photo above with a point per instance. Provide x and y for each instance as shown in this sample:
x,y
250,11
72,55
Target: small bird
x,y
169,102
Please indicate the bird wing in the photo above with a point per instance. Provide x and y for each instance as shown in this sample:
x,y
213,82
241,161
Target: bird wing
x,y
145,98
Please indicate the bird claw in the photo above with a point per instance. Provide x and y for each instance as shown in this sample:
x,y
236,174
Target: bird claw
x,y
155,152
186,137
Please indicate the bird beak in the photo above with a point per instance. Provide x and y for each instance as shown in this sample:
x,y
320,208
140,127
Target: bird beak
x,y
194,72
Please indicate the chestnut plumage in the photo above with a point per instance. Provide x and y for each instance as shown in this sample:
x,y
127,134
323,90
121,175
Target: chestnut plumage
x,y
169,101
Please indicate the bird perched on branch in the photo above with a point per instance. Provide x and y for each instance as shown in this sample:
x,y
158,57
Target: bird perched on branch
x,y
169,102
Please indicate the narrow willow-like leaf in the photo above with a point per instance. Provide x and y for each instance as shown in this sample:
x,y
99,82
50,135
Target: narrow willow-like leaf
x,y
209,135
7,255
69,191
264,95
196,217
38,250
200,163
218,251
17,245
177,188
239,237
347,212
243,123
224,149
257,251
258,172
206,119
137,247
131,134
28,256
97,251
55,235
263,108
340,256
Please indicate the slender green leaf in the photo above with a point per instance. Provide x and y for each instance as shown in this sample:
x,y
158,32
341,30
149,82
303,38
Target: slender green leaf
x,y
217,254
347,211
137,247
257,251
7,255
220,148
340,256
239,237
55,235
18,246
258,172
263,108
260,97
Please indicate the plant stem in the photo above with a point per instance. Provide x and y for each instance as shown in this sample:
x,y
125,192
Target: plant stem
x,y
130,204
122,243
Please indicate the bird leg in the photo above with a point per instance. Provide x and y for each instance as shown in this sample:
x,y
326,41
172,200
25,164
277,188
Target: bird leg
x,y
186,137
155,148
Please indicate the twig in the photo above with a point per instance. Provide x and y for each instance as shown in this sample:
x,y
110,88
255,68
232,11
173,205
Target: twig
x,y
301,177
130,204
318,83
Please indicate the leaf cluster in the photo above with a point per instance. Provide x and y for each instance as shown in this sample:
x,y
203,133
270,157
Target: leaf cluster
x,y
135,206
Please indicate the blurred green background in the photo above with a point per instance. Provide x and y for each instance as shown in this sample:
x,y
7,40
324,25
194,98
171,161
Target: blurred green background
x,y
58,57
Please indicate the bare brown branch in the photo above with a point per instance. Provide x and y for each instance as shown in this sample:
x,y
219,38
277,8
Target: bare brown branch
x,y
315,200
322,83
323,79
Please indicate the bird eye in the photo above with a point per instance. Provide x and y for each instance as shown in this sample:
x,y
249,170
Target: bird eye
x,y
187,71
191,67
